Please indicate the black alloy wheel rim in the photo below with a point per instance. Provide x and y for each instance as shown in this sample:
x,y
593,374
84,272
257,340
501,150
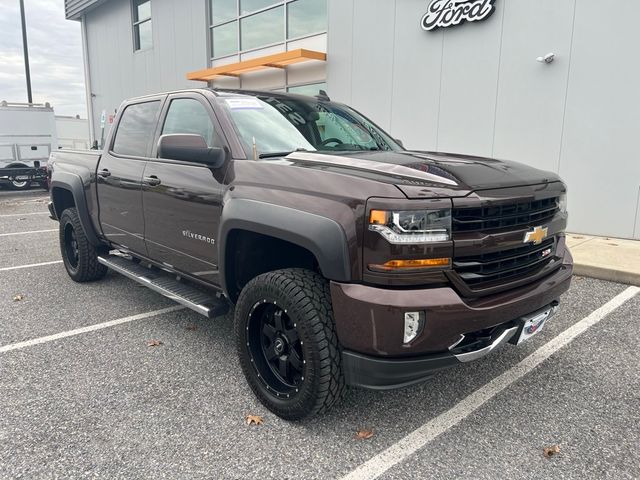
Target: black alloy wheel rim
x,y
275,349
71,246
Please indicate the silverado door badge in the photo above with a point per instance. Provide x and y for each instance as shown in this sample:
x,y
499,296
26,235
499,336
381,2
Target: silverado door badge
x,y
536,235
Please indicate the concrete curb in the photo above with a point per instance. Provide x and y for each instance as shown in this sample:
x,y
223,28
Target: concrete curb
x,y
628,278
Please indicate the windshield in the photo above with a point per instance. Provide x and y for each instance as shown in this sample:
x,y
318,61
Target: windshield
x,y
318,125
262,129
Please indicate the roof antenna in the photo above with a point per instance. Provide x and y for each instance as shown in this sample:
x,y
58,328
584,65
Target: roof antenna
x,y
322,95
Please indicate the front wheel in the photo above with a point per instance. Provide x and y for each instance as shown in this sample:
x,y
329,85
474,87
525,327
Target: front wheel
x,y
286,341
79,256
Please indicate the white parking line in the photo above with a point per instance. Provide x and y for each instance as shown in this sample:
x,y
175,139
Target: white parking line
x,y
23,214
27,233
90,328
19,267
420,437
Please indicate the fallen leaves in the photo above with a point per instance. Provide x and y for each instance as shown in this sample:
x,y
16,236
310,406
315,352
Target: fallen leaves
x,y
549,452
191,327
18,298
154,343
364,434
253,419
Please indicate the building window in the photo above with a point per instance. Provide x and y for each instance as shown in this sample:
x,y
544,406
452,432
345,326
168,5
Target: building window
x,y
142,33
310,89
305,17
264,28
238,26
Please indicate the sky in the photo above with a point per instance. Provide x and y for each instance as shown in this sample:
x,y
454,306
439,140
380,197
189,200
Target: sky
x,y
55,56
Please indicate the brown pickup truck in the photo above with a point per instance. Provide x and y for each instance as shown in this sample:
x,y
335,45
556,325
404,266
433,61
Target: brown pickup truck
x,y
350,260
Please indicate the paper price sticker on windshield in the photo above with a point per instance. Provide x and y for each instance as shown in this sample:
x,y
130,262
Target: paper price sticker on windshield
x,y
243,103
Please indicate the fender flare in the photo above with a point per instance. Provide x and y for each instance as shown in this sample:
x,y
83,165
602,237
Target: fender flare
x,y
322,236
73,183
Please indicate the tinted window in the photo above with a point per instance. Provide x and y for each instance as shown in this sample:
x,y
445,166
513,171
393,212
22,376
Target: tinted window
x,y
262,125
187,115
136,129
331,126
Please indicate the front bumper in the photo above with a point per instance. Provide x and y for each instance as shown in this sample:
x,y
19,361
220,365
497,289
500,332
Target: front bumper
x,y
370,324
384,374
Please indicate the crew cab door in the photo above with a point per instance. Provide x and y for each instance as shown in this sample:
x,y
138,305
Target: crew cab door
x,y
119,175
182,200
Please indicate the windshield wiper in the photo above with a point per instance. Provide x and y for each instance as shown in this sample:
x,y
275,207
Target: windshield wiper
x,y
280,154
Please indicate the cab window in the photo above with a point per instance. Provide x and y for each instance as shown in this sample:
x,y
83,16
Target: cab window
x,y
187,115
136,129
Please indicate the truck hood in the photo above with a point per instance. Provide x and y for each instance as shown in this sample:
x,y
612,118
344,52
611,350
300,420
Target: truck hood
x,y
427,174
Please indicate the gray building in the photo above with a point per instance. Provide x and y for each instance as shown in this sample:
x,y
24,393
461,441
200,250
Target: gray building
x,y
551,83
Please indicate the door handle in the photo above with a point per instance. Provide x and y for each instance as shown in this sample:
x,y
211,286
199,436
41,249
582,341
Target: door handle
x,y
152,181
104,173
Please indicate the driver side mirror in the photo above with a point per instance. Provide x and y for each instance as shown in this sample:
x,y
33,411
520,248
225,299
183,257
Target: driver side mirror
x,y
190,148
399,142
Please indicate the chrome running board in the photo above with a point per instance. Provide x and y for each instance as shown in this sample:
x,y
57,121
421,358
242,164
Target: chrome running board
x,y
204,303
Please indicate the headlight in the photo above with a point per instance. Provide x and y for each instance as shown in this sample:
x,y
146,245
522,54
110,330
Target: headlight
x,y
562,203
412,226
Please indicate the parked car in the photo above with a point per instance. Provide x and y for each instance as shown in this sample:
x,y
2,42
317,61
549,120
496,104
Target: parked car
x,y
350,260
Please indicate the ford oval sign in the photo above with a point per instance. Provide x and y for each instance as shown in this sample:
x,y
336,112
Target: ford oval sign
x,y
448,13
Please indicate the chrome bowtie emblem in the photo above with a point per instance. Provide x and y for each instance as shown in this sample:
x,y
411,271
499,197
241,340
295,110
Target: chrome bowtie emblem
x,y
536,235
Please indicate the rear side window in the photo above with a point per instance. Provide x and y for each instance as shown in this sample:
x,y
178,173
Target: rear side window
x,y
187,115
136,129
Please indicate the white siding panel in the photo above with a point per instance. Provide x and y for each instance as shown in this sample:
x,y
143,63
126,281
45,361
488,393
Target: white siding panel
x,y
531,95
118,73
373,40
599,151
340,49
469,85
416,78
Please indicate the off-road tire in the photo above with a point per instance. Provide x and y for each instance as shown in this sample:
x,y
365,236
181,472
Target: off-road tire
x,y
84,268
305,297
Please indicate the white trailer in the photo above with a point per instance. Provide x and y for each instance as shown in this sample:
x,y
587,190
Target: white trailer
x,y
27,137
73,132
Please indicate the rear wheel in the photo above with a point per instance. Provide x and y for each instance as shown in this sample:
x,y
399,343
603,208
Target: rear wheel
x,y
286,341
79,256
19,184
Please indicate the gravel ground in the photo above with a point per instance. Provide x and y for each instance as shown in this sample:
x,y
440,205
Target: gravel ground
x,y
105,405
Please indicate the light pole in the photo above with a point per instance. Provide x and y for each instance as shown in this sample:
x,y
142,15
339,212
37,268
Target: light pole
x,y
25,50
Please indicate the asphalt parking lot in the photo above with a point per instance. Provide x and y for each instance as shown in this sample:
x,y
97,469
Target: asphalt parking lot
x,y
82,395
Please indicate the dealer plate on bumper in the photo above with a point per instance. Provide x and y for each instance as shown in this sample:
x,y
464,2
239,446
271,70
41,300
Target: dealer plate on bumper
x,y
533,323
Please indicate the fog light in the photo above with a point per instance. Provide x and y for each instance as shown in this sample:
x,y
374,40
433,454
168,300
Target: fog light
x,y
413,324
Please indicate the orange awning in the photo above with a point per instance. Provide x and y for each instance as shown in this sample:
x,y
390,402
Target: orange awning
x,y
278,60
